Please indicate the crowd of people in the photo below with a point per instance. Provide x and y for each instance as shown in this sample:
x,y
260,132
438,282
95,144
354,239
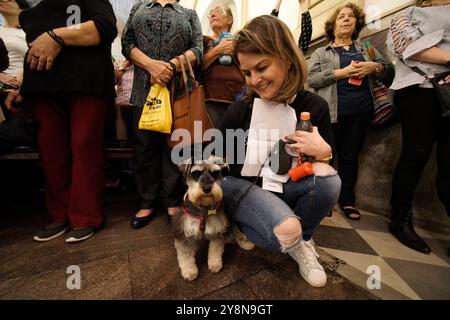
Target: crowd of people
x,y
253,79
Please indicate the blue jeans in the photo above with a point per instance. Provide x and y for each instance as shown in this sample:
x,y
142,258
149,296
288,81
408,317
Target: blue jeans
x,y
258,212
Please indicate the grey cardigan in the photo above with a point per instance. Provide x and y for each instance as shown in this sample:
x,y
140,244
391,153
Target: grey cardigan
x,y
324,61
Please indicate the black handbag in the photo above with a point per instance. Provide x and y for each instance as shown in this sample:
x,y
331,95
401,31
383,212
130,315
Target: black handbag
x,y
441,88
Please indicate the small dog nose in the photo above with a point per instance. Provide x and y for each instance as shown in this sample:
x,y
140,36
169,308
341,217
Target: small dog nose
x,y
207,189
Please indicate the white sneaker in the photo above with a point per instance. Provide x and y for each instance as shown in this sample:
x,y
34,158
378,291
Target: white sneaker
x,y
310,269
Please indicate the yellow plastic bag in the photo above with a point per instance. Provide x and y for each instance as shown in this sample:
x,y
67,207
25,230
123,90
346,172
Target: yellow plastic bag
x,y
156,113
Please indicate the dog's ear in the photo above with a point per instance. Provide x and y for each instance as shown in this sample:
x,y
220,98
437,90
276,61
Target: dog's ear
x,y
185,167
224,168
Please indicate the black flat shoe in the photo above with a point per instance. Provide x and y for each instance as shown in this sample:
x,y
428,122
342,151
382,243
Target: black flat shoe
x,y
351,213
139,222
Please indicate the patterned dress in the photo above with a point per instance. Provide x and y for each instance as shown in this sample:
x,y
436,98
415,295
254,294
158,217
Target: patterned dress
x,y
161,33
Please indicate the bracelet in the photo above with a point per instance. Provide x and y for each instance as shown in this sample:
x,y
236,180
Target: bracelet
x,y
57,38
327,159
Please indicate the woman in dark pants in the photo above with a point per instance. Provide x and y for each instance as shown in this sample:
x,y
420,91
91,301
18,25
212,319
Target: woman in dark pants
x,y
420,37
155,34
69,80
342,73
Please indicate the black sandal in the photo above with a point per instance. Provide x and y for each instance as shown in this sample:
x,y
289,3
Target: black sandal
x,y
351,213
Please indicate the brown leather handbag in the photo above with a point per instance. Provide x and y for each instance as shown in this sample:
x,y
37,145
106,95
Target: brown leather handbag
x,y
188,108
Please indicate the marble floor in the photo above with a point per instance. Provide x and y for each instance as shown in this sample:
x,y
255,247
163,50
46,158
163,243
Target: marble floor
x,y
121,263
367,245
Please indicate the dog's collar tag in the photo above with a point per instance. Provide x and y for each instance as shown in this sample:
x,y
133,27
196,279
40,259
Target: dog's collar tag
x,y
212,212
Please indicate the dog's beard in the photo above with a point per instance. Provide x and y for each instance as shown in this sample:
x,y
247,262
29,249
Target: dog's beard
x,y
199,198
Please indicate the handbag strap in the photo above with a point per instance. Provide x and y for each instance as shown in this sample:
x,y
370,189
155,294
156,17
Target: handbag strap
x,y
370,50
183,76
183,59
188,62
416,69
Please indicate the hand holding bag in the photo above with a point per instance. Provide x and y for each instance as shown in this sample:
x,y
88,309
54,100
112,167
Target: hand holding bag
x,y
156,113
189,108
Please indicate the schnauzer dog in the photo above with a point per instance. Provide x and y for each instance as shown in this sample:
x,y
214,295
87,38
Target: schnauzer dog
x,y
202,217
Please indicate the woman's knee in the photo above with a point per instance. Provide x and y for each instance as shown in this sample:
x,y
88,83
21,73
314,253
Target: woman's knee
x,y
322,169
288,232
328,188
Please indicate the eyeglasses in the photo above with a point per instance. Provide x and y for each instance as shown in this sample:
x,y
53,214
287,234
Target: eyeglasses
x,y
215,11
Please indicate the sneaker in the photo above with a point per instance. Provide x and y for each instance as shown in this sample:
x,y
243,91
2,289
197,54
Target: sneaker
x,y
80,234
310,269
51,231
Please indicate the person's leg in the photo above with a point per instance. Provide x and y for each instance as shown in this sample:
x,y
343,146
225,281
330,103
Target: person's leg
x,y
419,131
148,148
87,116
257,213
173,187
311,199
336,130
443,160
353,131
53,138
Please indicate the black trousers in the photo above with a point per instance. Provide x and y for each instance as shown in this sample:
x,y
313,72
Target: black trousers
x,y
349,135
422,126
156,176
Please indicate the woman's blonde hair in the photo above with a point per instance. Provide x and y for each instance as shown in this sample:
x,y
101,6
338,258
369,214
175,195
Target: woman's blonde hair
x,y
269,35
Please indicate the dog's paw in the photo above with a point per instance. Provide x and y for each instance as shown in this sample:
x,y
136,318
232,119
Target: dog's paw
x,y
245,244
215,265
242,240
189,273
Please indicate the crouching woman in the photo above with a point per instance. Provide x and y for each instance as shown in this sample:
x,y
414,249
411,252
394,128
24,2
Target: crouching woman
x,y
280,220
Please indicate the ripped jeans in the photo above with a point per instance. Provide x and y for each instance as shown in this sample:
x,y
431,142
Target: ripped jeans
x,y
260,211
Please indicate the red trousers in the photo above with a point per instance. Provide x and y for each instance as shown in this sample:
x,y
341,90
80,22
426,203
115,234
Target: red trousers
x,y
70,142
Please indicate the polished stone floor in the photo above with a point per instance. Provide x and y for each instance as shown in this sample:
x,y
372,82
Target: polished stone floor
x,y
367,245
121,263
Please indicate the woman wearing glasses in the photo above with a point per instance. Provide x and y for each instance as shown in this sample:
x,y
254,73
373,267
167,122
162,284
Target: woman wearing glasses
x,y
342,73
223,81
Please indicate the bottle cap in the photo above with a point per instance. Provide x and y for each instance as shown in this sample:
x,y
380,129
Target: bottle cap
x,y
305,116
